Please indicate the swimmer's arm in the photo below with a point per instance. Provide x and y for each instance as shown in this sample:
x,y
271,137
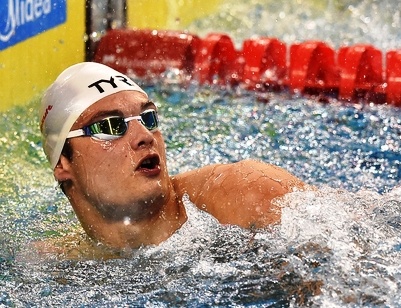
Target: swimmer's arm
x,y
193,182
241,193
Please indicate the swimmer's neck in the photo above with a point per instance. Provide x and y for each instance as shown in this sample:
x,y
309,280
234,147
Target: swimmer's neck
x,y
120,234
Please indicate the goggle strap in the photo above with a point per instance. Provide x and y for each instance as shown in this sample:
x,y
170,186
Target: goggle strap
x,y
76,133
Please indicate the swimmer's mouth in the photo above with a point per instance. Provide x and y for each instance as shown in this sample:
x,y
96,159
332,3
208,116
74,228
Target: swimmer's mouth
x,y
151,162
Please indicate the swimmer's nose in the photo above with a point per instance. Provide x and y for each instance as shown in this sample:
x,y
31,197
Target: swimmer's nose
x,y
139,135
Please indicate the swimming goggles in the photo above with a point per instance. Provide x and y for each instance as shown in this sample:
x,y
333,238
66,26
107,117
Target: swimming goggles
x,y
115,127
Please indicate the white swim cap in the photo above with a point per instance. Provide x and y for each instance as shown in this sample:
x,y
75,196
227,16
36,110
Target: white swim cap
x,y
74,90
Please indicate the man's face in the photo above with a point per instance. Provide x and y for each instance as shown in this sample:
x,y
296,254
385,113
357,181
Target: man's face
x,y
125,178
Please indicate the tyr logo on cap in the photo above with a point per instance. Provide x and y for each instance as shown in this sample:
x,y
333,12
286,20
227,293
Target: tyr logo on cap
x,y
111,82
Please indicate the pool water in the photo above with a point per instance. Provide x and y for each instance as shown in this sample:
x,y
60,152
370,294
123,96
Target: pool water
x,y
338,246
336,22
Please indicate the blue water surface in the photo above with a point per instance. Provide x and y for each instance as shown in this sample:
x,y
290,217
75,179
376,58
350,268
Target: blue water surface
x,y
337,246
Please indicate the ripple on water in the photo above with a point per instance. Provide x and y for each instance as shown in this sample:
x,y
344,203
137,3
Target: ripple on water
x,y
339,244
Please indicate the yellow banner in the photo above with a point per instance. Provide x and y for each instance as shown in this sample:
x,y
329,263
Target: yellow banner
x,y
29,66
168,14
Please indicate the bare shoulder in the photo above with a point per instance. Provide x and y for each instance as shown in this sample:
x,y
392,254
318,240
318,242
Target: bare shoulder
x,y
241,174
253,175
265,172
259,166
239,193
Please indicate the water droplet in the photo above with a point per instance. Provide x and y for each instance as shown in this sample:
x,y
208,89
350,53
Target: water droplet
x,y
127,221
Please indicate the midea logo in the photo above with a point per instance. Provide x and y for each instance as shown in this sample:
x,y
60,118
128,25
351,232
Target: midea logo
x,y
21,12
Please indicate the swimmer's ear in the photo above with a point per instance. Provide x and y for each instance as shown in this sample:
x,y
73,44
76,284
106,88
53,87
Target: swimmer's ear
x,y
62,170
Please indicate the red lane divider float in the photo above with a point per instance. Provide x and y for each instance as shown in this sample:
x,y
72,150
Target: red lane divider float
x,y
216,59
148,52
393,73
312,68
361,72
264,64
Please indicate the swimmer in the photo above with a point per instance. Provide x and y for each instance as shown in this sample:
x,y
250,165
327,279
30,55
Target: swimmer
x,y
101,136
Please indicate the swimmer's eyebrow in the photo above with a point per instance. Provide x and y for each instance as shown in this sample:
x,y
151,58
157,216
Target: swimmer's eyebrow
x,y
149,104
104,114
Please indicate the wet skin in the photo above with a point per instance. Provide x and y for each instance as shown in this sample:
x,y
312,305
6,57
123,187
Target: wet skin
x,y
124,197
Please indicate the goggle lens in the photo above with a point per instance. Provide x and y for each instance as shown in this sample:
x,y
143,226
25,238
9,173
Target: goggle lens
x,y
115,127
149,119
